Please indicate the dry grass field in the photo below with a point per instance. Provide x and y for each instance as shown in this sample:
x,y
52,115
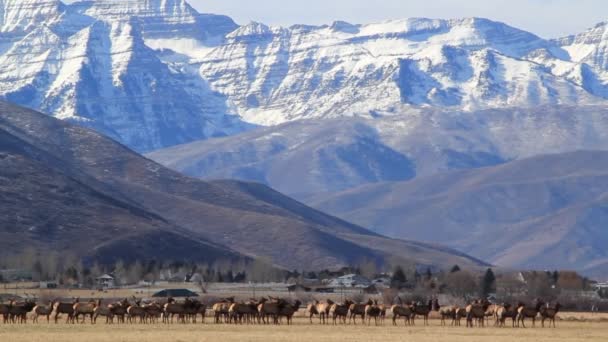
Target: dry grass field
x,y
594,330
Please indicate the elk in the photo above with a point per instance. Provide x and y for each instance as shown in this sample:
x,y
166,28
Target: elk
x,y
84,309
506,311
491,312
105,311
460,313
524,312
373,311
239,311
402,311
477,310
172,308
119,310
321,309
199,309
340,311
64,308
221,308
135,311
19,311
448,312
422,310
4,311
549,313
153,311
358,310
271,309
192,308
42,310
289,310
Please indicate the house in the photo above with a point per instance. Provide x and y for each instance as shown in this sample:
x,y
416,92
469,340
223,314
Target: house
x,y
382,281
372,289
105,281
298,288
175,293
48,285
600,286
350,280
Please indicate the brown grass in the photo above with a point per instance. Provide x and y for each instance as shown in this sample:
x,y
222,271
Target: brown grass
x,y
301,331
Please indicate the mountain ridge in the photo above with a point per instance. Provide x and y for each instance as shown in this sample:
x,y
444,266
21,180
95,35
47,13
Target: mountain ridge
x,y
125,204
157,74
557,202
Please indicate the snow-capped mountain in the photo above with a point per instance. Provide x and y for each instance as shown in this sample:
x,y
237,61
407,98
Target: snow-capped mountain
x,y
91,62
273,75
157,73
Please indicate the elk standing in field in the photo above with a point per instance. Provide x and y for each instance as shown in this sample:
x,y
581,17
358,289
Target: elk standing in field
x,y
105,311
247,312
477,311
172,308
491,312
289,310
136,311
404,311
422,310
119,310
524,312
272,308
64,308
153,312
448,312
84,309
549,313
4,311
373,311
339,312
358,310
220,309
506,311
322,309
18,311
44,311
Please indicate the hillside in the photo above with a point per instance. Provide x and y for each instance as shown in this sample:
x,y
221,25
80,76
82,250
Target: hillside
x,y
326,155
115,203
545,212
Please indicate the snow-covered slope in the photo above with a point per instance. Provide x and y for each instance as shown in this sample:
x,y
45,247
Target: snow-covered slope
x,y
155,73
274,75
89,62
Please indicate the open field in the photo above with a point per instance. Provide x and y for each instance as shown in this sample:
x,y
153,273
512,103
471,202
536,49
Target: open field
x,y
301,331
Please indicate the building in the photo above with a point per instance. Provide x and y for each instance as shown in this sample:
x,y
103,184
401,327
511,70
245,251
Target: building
x,y
105,281
601,286
48,285
298,288
175,293
350,280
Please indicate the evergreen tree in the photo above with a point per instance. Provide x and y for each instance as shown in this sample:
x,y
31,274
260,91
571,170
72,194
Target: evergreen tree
x,y
488,282
455,269
398,278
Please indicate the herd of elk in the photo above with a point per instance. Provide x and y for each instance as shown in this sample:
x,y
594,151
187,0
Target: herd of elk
x,y
273,310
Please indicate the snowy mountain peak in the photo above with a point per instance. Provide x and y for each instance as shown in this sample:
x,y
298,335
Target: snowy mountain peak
x,y
253,29
176,9
343,26
18,17
153,73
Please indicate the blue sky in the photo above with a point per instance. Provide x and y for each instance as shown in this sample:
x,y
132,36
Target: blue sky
x,y
547,18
